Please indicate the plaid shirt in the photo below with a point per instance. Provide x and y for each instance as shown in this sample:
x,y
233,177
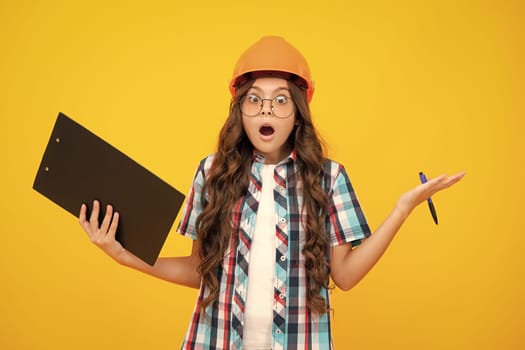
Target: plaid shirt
x,y
294,326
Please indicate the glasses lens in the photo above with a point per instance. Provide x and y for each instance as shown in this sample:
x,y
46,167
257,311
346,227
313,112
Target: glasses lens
x,y
282,106
251,105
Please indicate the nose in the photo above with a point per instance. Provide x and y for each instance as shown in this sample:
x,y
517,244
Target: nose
x,y
266,108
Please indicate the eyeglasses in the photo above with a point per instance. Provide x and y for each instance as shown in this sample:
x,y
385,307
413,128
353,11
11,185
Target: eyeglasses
x,y
282,106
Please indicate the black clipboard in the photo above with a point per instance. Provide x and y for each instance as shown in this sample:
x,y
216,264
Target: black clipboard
x,y
78,167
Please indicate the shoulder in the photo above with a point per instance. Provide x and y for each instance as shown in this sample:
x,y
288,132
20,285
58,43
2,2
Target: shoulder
x,y
331,165
203,168
334,174
206,163
331,168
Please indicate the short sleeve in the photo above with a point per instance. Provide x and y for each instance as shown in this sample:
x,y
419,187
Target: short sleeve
x,y
194,205
346,222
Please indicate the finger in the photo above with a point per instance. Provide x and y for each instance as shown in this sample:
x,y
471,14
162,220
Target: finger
x,y
442,182
93,220
436,180
82,218
82,214
114,225
431,186
107,220
457,177
451,180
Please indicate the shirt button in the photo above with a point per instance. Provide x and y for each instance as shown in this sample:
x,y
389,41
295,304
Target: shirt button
x,y
282,220
282,296
283,258
278,331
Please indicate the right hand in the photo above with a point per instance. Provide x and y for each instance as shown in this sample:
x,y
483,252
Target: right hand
x,y
102,236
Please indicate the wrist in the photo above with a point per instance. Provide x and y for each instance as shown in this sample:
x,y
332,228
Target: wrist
x,y
402,210
126,258
122,257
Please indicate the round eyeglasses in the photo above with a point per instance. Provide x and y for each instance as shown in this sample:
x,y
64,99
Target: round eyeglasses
x,y
282,106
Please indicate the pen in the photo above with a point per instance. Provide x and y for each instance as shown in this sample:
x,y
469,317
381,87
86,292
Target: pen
x,y
423,179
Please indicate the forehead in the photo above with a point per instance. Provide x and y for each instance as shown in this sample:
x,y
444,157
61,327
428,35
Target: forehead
x,y
270,84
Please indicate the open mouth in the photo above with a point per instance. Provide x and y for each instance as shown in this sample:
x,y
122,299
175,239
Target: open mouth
x,y
266,130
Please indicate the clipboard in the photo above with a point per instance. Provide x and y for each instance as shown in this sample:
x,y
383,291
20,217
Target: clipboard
x,y
78,167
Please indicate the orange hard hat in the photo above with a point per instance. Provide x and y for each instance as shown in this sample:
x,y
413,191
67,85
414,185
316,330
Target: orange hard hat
x,y
272,55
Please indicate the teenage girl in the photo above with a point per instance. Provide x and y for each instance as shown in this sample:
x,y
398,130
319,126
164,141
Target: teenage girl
x,y
271,218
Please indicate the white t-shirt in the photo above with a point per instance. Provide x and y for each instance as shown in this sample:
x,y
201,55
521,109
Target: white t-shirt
x,y
257,333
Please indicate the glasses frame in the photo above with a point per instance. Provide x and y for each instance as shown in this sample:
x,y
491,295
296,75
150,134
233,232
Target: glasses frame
x,y
261,106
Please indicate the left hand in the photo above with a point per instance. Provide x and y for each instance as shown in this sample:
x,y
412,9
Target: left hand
x,y
411,199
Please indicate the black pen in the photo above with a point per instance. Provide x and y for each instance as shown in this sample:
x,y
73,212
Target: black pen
x,y
423,179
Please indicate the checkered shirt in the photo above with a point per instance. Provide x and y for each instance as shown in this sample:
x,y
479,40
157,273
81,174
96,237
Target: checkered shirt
x,y
294,326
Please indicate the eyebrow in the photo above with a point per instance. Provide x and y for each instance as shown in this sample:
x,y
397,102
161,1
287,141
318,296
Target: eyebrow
x,y
273,92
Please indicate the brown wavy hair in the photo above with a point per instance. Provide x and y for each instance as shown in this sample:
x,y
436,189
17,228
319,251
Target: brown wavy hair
x,y
227,183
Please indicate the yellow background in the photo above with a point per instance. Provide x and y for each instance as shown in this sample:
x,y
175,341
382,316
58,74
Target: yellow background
x,y
401,87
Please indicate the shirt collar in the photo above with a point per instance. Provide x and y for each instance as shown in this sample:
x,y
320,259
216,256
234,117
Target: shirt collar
x,y
292,157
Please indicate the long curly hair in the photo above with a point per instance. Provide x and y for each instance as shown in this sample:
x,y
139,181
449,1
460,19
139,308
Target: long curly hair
x,y
228,181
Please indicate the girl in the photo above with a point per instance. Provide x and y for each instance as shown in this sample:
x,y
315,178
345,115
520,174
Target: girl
x,y
272,220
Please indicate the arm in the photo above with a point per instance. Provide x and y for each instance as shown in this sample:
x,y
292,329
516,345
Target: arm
x,y
348,266
179,270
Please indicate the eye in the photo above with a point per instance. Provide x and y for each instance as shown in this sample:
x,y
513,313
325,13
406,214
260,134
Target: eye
x,y
281,99
253,99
